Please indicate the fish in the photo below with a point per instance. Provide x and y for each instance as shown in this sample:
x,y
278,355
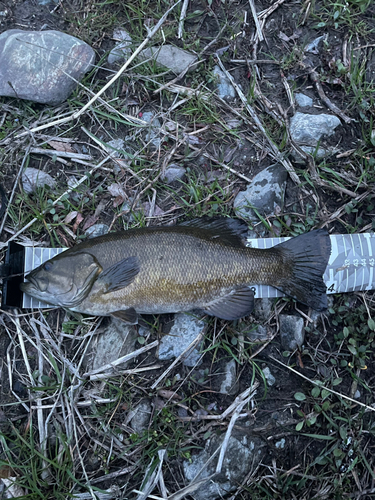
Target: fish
x,y
197,265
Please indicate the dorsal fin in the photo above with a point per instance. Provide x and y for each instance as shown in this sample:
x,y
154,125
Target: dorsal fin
x,y
231,231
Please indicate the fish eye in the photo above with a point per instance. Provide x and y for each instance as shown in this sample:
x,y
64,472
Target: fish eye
x,y
47,266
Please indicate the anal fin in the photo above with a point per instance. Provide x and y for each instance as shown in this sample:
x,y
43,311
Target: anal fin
x,y
233,306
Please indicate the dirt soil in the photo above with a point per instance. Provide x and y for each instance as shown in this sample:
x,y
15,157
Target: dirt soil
x,y
317,444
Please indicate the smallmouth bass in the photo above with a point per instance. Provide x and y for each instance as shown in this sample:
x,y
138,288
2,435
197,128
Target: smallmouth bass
x,y
196,265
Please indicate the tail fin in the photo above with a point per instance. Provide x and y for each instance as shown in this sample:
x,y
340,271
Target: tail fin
x,y
306,257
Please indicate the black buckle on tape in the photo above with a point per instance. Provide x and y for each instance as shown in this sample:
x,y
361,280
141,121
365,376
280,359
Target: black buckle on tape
x,y
12,274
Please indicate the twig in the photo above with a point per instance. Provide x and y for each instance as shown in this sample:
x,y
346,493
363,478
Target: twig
x,y
190,488
76,115
171,84
256,21
255,61
41,427
236,414
182,17
178,359
122,359
316,80
339,211
153,479
63,154
103,376
321,386
223,165
212,42
267,12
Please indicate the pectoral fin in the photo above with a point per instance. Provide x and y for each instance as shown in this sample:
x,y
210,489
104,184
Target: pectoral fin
x,y
119,275
233,306
129,316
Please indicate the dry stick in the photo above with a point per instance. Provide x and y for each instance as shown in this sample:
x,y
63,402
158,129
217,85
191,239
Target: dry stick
x,y
338,212
256,20
315,79
103,376
182,17
287,165
112,80
178,77
63,154
190,488
321,386
233,420
14,189
255,61
123,359
153,479
116,160
41,427
265,13
68,191
223,165
170,367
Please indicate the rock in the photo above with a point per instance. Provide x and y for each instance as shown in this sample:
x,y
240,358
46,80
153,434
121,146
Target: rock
x,y
303,100
308,129
114,147
265,193
280,444
139,418
32,178
154,130
122,50
257,334
242,455
117,340
171,57
97,230
226,378
313,47
291,332
318,153
263,309
42,66
185,329
224,87
234,123
268,376
173,173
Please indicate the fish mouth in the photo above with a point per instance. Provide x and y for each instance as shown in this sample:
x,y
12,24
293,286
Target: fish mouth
x,y
30,284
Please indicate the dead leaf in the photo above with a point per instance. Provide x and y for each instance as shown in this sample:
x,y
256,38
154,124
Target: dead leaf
x,y
79,219
168,394
61,146
117,190
90,221
157,212
70,217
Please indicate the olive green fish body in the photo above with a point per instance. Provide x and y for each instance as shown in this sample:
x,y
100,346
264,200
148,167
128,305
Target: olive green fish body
x,y
180,269
172,269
